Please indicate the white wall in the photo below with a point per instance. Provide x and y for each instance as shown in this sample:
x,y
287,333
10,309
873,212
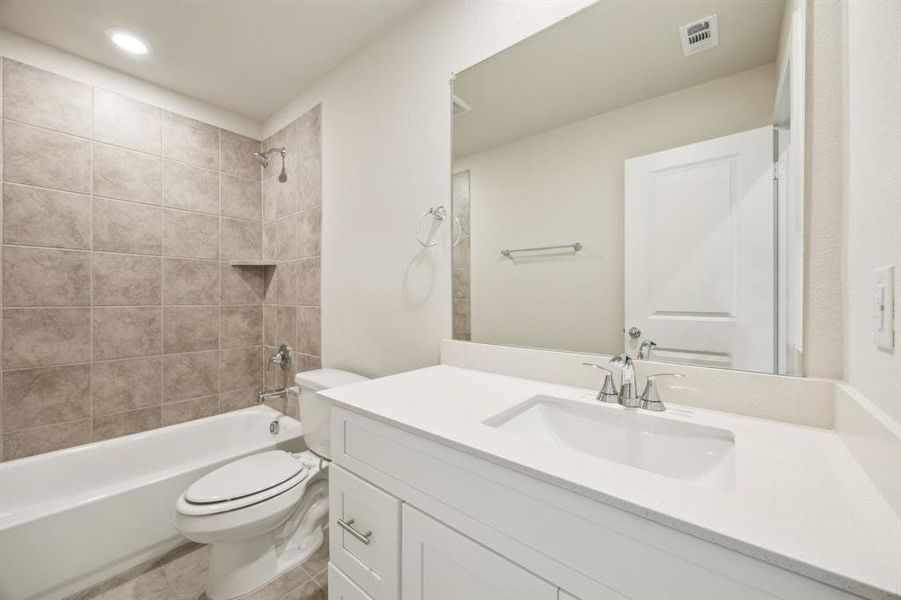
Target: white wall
x,y
386,159
23,49
566,185
873,191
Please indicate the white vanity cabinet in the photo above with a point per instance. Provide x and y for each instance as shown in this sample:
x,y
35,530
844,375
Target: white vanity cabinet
x,y
442,524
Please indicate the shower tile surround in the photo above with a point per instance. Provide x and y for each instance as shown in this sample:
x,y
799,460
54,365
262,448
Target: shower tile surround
x,y
121,311
461,282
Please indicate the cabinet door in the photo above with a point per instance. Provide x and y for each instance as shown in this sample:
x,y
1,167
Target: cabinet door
x,y
441,564
340,587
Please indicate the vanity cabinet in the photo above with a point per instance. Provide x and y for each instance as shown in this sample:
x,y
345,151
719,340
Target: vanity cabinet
x,y
442,524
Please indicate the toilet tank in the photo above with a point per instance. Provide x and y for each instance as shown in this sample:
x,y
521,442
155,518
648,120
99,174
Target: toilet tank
x,y
315,409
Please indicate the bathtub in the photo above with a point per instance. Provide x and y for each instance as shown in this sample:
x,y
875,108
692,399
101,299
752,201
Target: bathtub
x,y
75,517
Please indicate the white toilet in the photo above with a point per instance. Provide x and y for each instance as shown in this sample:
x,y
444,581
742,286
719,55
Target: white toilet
x,y
263,513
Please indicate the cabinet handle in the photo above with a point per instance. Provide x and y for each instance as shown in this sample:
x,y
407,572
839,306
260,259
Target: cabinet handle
x,y
347,526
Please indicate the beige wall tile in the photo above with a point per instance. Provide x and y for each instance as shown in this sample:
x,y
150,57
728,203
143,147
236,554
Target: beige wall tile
x,y
270,285
309,178
127,175
241,326
305,134
190,375
309,282
241,369
126,423
125,280
241,239
190,235
460,283
45,99
190,328
306,362
40,277
37,217
34,337
127,227
288,274
308,330
187,410
241,285
46,159
288,193
236,155
461,316
190,281
310,232
190,141
270,326
237,399
270,249
241,198
271,190
288,238
35,397
122,385
128,123
20,444
125,332
190,188
286,326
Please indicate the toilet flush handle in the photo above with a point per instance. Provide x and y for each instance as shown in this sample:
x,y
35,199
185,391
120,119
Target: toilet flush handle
x,y
348,527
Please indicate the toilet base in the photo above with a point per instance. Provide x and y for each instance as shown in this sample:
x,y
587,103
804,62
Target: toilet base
x,y
238,569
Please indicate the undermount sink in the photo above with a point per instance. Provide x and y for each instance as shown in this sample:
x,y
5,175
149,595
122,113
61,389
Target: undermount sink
x,y
694,453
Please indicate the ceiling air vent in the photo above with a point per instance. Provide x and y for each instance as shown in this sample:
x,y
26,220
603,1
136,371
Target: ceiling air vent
x,y
460,107
701,35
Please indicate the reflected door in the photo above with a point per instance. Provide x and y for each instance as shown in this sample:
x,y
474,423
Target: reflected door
x,y
699,268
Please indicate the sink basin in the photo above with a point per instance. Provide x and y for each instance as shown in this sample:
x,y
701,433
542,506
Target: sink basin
x,y
693,453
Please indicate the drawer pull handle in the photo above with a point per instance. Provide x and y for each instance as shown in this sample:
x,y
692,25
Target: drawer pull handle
x,y
347,526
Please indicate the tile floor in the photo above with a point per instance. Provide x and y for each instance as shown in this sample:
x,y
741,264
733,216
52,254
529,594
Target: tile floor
x,y
180,575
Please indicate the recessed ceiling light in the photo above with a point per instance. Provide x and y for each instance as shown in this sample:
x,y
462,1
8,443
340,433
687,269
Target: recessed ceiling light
x,y
127,40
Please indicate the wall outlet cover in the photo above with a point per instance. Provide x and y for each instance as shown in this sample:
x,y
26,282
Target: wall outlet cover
x,y
884,309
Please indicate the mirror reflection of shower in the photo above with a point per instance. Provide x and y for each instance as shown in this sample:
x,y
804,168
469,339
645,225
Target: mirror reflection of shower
x,y
263,159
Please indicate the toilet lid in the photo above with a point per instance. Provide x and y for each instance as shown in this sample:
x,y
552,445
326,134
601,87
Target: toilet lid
x,y
244,477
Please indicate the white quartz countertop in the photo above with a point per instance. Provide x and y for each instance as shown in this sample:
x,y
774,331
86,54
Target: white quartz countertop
x,y
800,500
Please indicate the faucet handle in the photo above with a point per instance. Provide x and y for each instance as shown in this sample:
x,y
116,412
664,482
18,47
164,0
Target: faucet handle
x,y
608,391
650,397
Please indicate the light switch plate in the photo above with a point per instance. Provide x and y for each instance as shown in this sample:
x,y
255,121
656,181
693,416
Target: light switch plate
x,y
884,309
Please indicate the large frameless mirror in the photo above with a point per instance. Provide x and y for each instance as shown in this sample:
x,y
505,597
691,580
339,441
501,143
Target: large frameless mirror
x,y
631,179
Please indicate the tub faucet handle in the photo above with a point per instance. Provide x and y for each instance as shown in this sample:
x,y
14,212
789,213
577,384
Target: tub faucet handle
x,y
282,358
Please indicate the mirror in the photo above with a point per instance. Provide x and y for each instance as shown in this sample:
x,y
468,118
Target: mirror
x,y
630,180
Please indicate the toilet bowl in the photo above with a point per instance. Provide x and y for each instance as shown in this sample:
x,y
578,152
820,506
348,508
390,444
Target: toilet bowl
x,y
263,514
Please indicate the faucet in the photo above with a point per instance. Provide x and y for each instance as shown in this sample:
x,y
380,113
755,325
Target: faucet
x,y
644,351
650,398
283,359
627,394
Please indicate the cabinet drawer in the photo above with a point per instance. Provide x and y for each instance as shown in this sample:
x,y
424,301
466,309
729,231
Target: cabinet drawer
x,y
342,588
364,540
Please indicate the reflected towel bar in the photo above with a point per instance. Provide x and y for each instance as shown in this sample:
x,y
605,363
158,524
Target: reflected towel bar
x,y
576,247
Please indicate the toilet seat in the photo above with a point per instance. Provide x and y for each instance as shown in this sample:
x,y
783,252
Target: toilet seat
x,y
243,483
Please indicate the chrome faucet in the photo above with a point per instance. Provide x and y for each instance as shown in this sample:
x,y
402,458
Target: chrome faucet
x,y
283,359
644,351
627,395
650,398
608,391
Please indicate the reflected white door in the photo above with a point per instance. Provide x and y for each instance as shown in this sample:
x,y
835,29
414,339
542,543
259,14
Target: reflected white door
x,y
699,268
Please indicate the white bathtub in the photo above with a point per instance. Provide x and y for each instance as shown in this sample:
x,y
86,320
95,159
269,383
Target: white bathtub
x,y
75,517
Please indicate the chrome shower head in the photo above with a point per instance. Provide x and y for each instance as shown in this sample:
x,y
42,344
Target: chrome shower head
x,y
263,159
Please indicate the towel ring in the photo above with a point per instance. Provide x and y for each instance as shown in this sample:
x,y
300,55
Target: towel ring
x,y
439,215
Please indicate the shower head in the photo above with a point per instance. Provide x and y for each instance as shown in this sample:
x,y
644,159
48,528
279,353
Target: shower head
x,y
263,159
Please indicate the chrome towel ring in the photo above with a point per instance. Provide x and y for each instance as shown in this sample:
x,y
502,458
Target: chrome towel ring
x,y
439,216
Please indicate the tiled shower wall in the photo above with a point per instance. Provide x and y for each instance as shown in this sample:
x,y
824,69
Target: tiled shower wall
x,y
292,225
120,309
461,282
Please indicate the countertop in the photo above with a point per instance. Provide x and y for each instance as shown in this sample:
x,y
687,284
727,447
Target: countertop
x,y
800,500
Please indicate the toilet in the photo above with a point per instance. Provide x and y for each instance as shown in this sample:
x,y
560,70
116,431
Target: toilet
x,y
263,514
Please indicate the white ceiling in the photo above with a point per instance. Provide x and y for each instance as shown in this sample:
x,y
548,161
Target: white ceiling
x,y
251,57
610,55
